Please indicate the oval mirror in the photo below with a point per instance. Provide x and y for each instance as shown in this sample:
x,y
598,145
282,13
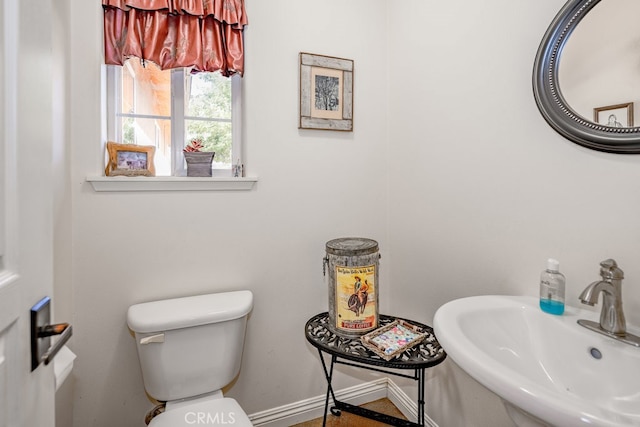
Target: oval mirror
x,y
586,74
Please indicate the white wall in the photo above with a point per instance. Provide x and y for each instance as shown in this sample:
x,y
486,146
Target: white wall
x,y
62,293
450,167
313,186
483,189
601,50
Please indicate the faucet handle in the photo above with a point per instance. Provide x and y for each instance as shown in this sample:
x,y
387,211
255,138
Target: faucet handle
x,y
609,270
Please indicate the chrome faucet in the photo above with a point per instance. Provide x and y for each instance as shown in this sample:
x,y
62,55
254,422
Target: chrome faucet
x,y
612,322
611,317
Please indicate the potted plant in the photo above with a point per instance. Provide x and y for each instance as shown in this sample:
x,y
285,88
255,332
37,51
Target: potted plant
x,y
198,162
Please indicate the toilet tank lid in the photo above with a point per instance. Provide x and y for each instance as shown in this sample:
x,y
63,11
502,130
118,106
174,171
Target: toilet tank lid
x,y
176,313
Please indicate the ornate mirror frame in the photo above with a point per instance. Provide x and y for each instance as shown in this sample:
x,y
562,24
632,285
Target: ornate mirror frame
x,y
552,105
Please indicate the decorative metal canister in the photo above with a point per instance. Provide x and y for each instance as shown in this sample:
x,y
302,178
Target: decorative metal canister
x,y
353,264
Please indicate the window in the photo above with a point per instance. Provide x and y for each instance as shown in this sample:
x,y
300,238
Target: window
x,y
167,109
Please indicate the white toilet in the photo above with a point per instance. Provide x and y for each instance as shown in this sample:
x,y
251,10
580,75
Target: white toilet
x,y
189,348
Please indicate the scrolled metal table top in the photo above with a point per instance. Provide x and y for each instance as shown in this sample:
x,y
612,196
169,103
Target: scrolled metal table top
x,y
424,355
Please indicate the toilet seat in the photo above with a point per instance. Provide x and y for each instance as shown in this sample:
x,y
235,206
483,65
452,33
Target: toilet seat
x,y
215,412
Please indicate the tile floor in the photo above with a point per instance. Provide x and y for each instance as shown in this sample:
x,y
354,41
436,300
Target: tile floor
x,y
349,420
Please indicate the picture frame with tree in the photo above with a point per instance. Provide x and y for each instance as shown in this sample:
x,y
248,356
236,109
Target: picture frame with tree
x,y
326,92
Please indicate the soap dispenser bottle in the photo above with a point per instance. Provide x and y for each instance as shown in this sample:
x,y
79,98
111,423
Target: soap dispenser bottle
x,y
552,284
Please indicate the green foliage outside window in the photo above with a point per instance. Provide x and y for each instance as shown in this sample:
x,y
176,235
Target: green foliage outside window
x,y
210,97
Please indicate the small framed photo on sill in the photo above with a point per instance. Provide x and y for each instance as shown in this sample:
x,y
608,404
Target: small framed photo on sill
x,y
326,92
130,160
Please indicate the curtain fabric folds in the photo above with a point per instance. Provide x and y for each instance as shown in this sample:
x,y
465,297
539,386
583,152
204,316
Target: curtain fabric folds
x,y
203,34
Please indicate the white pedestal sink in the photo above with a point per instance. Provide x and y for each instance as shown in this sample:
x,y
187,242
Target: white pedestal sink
x,y
547,369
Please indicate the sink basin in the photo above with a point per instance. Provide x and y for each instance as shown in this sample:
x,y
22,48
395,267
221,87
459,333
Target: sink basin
x,y
547,369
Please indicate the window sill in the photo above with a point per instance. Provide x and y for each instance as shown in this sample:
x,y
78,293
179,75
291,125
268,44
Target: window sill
x,y
170,183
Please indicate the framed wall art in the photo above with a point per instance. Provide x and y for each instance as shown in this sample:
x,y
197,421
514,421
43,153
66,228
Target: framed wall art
x,y
616,116
130,160
326,92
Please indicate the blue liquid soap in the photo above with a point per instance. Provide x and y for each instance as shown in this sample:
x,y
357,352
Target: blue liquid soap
x,y
552,284
551,306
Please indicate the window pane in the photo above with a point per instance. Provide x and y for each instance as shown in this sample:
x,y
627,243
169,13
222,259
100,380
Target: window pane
x,y
215,136
154,132
153,106
145,90
208,95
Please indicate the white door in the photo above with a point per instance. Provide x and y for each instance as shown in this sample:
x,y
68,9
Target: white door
x,y
26,258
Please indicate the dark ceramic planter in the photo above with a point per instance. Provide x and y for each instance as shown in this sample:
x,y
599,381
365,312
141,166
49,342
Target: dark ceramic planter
x,y
199,162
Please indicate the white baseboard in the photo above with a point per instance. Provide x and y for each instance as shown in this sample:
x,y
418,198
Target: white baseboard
x,y
308,409
406,405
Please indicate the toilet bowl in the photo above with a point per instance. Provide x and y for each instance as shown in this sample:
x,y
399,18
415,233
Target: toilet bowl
x,y
209,410
188,349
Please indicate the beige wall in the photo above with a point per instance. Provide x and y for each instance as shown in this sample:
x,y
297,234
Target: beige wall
x,y
599,61
450,167
485,190
314,186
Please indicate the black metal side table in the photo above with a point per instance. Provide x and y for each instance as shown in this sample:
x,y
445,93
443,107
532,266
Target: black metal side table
x,y
350,351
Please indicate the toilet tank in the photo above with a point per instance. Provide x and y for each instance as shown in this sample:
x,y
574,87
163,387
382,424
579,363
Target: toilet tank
x,y
191,345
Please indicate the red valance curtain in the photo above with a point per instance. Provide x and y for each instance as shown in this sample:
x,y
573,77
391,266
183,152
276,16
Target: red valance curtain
x,y
204,34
